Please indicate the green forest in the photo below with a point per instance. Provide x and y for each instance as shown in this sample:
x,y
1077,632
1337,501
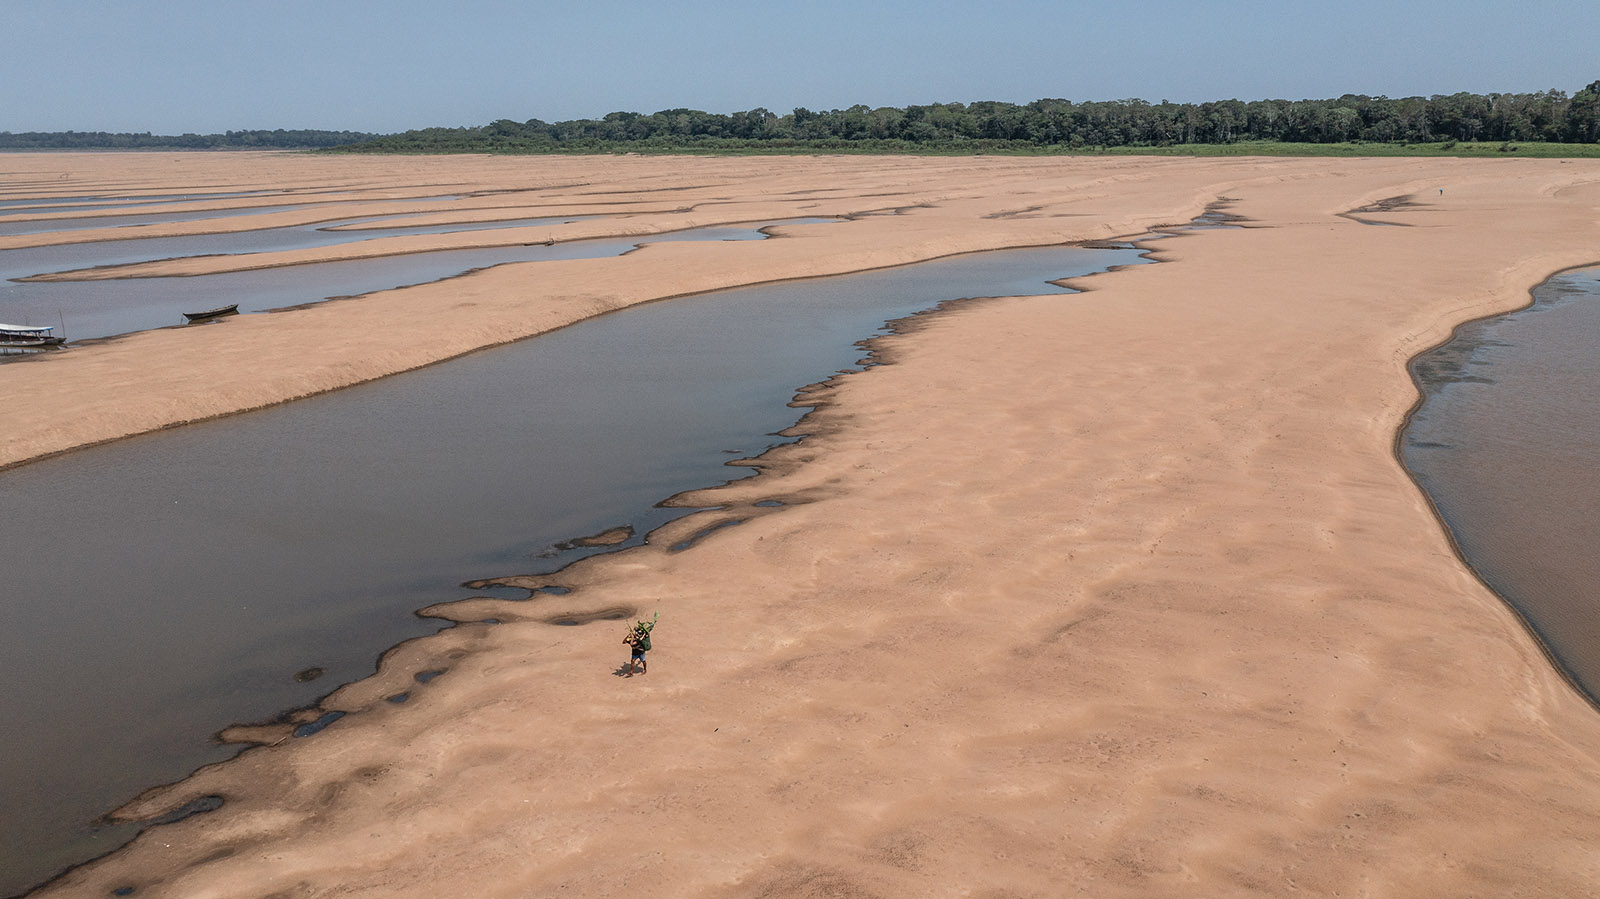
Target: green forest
x,y
1547,123
1550,117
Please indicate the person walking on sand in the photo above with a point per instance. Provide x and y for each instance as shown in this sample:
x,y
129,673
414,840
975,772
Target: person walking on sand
x,y
638,640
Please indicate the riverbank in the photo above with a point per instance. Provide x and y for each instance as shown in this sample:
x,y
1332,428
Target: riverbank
x,y
1501,445
1127,595
944,207
593,426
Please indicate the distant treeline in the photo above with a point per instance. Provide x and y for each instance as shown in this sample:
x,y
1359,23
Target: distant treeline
x,y
1550,116
231,140
1040,126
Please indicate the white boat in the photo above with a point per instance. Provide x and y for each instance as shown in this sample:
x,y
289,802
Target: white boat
x,y
28,335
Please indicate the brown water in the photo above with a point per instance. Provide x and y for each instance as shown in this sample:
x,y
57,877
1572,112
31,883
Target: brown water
x,y
1507,444
163,587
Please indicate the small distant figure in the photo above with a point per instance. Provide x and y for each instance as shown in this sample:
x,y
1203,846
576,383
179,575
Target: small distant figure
x,y
638,640
1441,191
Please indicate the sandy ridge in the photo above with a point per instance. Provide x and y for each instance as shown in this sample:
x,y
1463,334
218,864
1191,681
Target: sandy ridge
x,y
160,378
1124,594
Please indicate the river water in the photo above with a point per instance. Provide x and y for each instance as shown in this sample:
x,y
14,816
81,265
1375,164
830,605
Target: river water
x,y
1507,444
88,309
168,585
56,225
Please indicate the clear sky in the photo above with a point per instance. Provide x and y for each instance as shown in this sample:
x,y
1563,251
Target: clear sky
x,y
171,66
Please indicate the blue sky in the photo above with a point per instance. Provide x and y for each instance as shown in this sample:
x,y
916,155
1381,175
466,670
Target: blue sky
x,y
171,66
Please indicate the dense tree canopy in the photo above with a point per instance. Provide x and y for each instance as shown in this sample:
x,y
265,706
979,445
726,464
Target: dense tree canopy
x,y
1550,116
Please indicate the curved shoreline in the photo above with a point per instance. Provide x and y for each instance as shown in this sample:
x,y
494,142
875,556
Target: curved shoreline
x,y
183,227
156,804
180,328
1194,630
135,303
451,346
1042,269
159,268
1455,545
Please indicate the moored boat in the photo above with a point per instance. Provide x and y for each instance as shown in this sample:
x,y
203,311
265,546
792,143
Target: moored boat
x,y
29,335
230,309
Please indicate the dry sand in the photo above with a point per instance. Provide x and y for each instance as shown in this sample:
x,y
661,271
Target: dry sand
x,y
1122,595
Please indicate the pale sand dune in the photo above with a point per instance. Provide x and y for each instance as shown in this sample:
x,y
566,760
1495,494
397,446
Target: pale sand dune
x,y
1121,595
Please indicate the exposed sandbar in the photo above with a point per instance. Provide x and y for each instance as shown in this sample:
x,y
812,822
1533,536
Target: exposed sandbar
x,y
1123,594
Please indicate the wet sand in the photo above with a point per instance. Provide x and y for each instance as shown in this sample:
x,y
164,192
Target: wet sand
x,y
329,521
1125,596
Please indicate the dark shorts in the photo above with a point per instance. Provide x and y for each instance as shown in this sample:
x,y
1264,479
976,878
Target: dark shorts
x,y
638,654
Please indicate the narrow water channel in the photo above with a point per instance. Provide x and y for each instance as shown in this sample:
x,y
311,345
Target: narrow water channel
x,y
54,225
15,205
75,256
43,216
89,309
1507,445
168,585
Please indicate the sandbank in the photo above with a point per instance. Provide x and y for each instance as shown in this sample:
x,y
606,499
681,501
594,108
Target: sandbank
x,y
1123,594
